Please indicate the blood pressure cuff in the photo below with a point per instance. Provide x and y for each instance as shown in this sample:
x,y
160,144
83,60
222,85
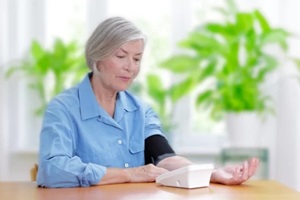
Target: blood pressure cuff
x,y
157,148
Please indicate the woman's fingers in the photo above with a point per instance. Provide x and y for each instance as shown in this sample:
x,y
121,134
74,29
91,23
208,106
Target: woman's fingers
x,y
146,173
154,171
249,169
253,165
245,175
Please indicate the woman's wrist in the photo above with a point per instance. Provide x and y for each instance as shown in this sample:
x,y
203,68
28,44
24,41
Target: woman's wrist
x,y
213,177
127,175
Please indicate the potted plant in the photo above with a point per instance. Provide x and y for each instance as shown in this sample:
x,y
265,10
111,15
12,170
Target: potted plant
x,y
49,71
226,63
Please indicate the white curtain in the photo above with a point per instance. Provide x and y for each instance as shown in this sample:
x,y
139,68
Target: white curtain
x,y
21,21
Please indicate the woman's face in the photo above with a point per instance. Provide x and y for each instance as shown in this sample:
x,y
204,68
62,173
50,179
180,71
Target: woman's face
x,y
117,71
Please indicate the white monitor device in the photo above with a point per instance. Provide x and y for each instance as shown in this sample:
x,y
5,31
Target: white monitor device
x,y
192,176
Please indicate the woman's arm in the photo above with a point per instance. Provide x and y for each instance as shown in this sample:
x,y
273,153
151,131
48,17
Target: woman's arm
x,y
228,175
232,175
146,173
174,162
58,165
159,152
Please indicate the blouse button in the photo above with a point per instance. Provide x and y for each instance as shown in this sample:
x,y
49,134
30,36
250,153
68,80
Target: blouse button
x,y
119,141
126,165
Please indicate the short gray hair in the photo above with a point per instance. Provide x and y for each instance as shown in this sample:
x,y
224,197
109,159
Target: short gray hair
x,y
108,36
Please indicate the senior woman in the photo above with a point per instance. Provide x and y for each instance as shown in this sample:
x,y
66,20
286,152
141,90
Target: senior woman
x,y
98,133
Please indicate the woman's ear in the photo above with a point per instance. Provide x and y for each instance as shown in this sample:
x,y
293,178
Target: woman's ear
x,y
95,66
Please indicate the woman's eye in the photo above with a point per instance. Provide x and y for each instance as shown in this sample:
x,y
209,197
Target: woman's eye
x,y
120,56
137,59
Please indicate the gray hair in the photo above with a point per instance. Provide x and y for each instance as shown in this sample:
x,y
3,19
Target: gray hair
x,y
107,37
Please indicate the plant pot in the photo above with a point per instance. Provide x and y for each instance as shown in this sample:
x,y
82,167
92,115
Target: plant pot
x,y
243,129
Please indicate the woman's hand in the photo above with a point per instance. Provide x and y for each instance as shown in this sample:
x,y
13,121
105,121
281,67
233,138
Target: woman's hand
x,y
146,173
237,174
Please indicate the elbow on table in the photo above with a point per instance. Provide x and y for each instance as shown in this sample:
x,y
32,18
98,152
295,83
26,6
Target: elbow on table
x,y
52,177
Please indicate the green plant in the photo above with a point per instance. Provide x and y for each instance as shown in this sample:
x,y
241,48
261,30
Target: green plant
x,y
160,100
230,58
154,92
49,71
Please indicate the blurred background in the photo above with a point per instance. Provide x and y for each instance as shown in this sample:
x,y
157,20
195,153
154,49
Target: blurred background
x,y
207,65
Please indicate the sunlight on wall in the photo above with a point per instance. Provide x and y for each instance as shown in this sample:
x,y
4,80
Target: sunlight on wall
x,y
66,20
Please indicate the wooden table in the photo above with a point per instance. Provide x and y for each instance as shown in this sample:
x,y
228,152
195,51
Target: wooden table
x,y
142,191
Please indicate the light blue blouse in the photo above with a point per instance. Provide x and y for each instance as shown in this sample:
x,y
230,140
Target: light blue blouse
x,y
79,140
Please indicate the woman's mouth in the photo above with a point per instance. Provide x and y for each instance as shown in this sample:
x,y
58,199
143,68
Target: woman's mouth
x,y
124,78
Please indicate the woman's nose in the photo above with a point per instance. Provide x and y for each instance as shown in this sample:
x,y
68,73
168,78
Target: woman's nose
x,y
129,65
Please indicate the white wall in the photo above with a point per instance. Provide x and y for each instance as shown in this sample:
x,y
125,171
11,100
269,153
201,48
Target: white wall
x,y
288,134
22,22
3,127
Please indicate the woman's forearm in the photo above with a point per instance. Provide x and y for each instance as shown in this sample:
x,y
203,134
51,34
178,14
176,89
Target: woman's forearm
x,y
174,162
115,175
146,173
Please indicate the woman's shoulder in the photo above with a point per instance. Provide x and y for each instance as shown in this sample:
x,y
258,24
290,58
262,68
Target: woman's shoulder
x,y
71,96
66,99
133,99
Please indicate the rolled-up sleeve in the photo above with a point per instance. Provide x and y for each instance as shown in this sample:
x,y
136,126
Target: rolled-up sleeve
x,y
59,166
152,123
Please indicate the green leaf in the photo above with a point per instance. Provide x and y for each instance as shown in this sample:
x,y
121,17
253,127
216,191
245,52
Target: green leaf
x,y
297,62
269,63
244,22
200,40
215,28
36,50
264,25
180,89
278,36
155,88
40,64
180,63
208,70
10,71
224,32
204,97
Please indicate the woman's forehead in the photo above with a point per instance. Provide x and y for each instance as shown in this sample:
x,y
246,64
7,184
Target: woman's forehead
x,y
133,46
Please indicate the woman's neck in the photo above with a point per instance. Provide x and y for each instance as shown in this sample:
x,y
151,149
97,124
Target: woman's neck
x,y
106,98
